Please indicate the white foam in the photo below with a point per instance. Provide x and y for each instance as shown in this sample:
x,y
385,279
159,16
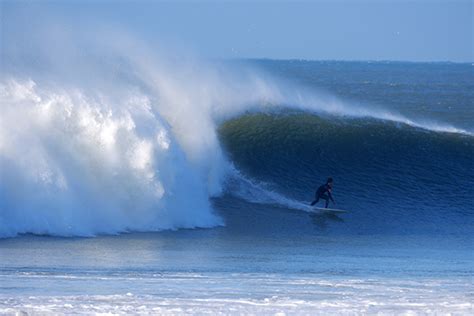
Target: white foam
x,y
255,294
261,193
73,165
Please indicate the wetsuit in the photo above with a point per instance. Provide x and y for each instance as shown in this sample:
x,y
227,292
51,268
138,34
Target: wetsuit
x,y
321,194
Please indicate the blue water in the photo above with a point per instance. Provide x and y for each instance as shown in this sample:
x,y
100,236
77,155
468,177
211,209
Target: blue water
x,y
145,219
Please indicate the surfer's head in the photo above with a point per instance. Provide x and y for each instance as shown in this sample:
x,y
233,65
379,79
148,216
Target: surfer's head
x,y
329,181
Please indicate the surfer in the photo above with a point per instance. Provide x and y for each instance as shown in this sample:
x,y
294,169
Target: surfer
x,y
321,193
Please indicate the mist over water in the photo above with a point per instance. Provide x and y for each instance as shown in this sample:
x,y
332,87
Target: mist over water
x,y
126,146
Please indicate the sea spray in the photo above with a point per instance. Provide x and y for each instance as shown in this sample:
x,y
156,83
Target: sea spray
x,y
74,165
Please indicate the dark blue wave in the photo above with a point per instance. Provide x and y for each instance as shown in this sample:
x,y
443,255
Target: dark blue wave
x,y
391,176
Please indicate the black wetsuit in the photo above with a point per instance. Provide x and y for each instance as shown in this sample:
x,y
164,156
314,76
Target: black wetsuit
x,y
321,194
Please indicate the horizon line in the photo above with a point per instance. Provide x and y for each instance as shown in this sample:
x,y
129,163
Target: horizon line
x,y
349,60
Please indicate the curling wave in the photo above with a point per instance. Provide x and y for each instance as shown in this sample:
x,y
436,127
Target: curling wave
x,y
392,176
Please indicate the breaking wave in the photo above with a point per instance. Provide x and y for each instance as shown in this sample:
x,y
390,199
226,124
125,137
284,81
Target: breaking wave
x,y
134,143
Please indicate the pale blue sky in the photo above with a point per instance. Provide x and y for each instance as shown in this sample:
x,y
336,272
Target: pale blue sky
x,y
335,30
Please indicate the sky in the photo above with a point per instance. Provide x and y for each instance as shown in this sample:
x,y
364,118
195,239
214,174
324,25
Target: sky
x,y
315,30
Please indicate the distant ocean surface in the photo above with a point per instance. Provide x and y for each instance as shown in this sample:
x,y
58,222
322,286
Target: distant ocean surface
x,y
184,188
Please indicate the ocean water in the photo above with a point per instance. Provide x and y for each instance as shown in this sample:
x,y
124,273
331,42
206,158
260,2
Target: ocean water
x,y
150,185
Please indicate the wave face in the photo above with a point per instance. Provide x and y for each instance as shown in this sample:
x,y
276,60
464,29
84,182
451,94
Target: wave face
x,y
393,177
132,142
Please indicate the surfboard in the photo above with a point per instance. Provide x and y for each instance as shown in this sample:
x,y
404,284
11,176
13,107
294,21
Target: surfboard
x,y
329,210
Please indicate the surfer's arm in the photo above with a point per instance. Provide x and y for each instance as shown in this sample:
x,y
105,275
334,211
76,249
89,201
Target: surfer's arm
x,y
330,196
